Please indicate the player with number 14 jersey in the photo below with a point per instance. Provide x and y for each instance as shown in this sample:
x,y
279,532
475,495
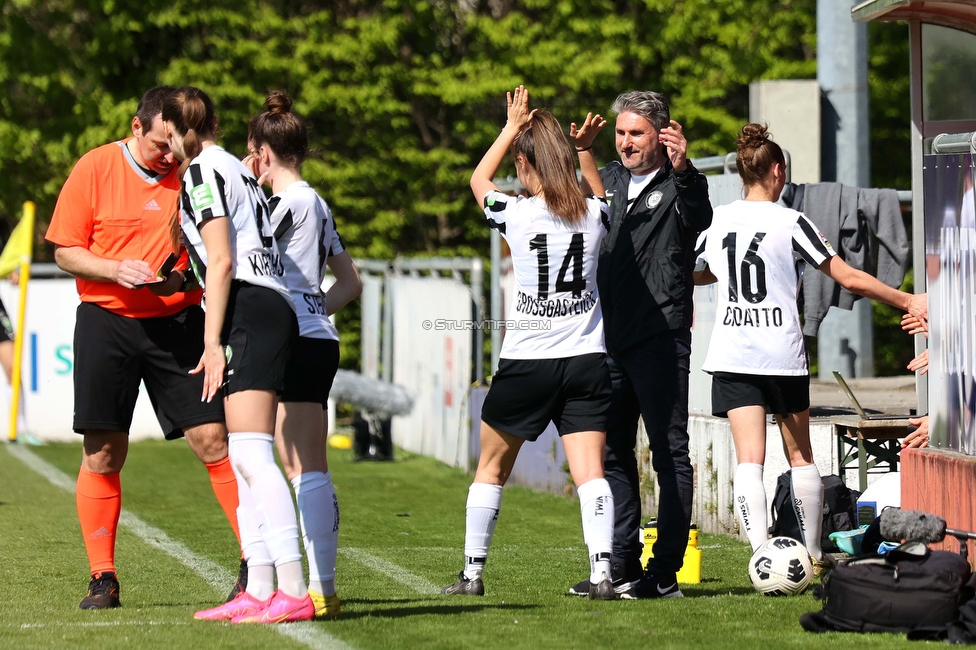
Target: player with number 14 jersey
x,y
555,303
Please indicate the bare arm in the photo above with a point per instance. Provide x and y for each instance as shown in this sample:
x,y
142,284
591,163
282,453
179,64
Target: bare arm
x,y
482,179
583,138
215,234
82,263
868,286
347,286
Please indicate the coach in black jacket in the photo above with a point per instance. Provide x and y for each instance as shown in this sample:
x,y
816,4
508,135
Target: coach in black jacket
x,y
658,205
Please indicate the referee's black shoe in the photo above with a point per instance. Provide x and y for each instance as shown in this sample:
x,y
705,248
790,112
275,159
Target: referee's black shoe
x,y
624,583
103,592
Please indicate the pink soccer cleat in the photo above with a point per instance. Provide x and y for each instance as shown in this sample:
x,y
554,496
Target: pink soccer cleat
x,y
243,605
280,608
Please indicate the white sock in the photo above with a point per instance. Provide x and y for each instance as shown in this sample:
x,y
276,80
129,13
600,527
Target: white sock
x,y
260,568
252,455
481,515
596,508
808,504
750,502
318,513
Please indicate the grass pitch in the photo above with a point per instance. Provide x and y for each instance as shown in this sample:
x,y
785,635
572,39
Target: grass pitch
x,y
401,540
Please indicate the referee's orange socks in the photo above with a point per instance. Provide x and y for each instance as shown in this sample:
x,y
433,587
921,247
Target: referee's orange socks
x,y
225,489
99,499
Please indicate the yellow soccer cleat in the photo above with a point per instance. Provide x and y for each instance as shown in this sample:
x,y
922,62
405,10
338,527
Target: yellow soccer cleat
x,y
325,606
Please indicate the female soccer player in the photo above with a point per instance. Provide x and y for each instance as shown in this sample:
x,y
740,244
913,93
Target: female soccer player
x,y
305,233
553,365
756,354
249,328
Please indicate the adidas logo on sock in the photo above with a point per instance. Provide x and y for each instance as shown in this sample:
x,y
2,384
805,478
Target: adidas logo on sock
x,y
152,205
99,534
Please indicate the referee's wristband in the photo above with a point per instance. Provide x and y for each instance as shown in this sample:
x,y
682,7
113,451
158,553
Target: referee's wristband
x,y
578,150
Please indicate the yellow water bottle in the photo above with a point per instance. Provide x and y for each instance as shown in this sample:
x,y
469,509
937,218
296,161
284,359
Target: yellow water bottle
x,y
690,572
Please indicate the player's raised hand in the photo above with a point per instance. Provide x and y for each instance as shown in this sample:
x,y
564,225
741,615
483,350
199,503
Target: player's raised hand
x,y
129,272
518,108
584,136
673,138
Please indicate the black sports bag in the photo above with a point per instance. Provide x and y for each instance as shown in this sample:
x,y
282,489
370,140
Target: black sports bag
x,y
909,588
839,510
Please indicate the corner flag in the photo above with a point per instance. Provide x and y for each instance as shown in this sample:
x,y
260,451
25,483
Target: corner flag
x,y
20,245
17,254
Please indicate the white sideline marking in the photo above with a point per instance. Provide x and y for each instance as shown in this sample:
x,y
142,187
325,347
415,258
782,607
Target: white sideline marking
x,y
35,626
214,574
395,571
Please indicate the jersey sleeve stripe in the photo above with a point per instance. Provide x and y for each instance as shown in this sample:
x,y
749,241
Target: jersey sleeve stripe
x,y
220,190
284,225
810,247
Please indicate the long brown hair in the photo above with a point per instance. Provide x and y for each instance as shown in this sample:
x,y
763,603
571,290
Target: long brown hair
x,y
280,129
546,148
191,112
756,153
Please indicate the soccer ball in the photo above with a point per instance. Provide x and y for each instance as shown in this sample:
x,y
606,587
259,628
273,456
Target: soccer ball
x,y
780,567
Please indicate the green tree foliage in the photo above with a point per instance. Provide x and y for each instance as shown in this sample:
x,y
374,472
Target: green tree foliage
x,y
402,96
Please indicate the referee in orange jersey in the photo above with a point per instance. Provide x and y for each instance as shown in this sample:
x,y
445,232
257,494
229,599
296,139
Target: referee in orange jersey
x,y
111,230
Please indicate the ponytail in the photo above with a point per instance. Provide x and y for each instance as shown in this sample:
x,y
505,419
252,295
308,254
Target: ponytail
x,y
547,150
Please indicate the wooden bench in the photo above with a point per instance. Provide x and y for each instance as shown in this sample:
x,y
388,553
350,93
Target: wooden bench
x,y
866,443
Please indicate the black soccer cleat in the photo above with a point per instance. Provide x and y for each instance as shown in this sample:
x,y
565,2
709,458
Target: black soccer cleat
x,y
624,583
103,592
602,590
664,585
241,585
465,587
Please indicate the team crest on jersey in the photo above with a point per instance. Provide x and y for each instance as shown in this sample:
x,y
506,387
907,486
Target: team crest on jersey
x,y
653,199
201,197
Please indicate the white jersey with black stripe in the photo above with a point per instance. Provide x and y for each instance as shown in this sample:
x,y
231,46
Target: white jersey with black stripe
x,y
555,309
754,249
217,184
306,235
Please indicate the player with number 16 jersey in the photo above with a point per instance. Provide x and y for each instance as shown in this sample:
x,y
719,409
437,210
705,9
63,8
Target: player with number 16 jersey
x,y
754,250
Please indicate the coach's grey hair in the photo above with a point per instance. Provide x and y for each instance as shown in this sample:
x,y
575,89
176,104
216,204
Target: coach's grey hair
x,y
647,104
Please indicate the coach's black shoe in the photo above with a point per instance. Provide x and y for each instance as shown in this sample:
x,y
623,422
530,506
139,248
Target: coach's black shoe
x,y
241,585
603,590
465,587
624,583
103,592
662,585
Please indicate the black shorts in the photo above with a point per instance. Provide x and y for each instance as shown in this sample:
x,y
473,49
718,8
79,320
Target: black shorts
x,y
259,329
527,394
780,394
311,370
113,353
